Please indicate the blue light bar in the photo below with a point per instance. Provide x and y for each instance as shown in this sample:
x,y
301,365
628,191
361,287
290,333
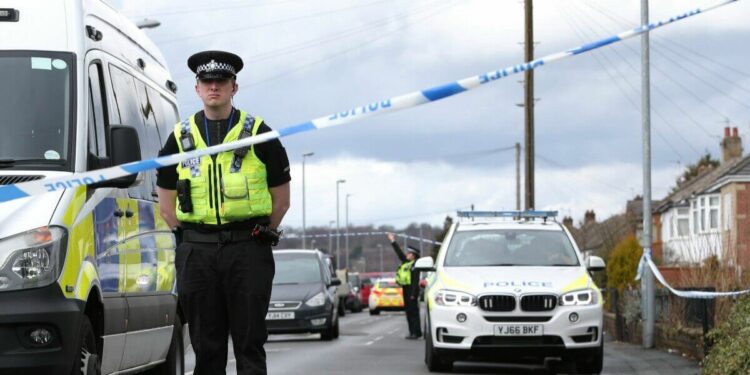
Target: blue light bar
x,y
512,214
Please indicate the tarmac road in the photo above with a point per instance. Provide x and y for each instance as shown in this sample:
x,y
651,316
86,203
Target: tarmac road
x,y
376,345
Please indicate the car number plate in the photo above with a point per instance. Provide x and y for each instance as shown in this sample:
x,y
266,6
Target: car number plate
x,y
519,330
280,315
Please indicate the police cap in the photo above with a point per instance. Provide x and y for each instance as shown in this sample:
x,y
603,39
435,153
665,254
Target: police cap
x,y
413,250
215,65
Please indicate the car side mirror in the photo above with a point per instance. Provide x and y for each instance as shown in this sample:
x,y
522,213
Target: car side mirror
x,y
125,148
425,264
594,263
335,282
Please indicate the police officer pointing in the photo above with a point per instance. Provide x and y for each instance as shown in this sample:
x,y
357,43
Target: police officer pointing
x,y
226,208
408,278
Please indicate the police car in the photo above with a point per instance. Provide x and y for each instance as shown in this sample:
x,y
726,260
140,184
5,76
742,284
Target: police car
x,y
513,287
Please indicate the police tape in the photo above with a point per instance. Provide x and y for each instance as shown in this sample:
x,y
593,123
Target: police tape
x,y
360,234
26,189
647,261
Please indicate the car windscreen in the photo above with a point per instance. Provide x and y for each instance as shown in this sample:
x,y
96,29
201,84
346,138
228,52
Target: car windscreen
x,y
510,247
37,103
296,269
387,284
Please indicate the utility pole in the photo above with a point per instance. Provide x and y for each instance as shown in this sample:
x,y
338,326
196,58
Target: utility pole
x,y
346,238
305,155
338,237
518,176
529,104
647,279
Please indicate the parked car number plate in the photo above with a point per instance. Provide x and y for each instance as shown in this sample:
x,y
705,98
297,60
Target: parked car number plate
x,y
519,330
280,315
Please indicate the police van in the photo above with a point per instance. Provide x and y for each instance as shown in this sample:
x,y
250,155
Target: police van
x,y
87,276
512,286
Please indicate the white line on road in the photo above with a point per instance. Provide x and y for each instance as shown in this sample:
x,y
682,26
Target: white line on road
x,y
378,338
369,343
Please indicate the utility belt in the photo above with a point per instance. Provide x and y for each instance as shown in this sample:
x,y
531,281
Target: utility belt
x,y
262,233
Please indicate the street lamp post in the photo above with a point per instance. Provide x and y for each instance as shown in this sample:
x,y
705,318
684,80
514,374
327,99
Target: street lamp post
x,y
380,247
346,222
338,242
303,197
330,244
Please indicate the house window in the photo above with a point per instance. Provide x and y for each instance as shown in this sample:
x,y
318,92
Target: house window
x,y
703,213
727,211
696,224
683,222
713,213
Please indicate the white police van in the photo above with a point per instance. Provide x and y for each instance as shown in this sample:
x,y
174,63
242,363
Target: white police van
x,y
512,287
86,272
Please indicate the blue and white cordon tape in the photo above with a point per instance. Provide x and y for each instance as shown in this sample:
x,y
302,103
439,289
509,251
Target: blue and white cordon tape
x,y
26,189
362,234
647,261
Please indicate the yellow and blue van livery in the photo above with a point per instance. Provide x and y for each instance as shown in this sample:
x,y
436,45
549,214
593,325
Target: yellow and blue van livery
x,y
87,276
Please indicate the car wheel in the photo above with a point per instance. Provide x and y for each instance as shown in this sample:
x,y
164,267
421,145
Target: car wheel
x,y
374,312
432,359
593,362
175,362
331,331
88,361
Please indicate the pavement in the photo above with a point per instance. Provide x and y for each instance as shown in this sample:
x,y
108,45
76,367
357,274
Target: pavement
x,y
376,345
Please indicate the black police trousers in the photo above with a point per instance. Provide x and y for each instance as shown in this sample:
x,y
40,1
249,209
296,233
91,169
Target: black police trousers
x,y
411,306
225,288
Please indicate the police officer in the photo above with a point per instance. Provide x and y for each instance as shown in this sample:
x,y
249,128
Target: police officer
x,y
408,278
226,209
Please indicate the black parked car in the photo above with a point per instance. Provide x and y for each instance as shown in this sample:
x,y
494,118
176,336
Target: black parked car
x,y
304,295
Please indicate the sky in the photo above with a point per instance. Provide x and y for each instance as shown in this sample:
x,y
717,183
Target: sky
x,y
309,58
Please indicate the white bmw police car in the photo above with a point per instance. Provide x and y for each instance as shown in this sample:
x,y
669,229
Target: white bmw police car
x,y
512,287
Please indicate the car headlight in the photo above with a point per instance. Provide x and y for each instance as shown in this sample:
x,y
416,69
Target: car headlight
x,y
32,259
446,297
583,297
316,300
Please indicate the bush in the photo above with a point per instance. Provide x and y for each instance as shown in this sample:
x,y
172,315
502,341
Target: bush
x,y
730,354
623,262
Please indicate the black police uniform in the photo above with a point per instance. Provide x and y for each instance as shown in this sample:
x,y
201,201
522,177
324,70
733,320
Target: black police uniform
x,y
224,273
411,296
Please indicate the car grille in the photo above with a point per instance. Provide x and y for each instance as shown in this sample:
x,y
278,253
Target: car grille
x,y
516,319
539,302
283,305
497,303
10,180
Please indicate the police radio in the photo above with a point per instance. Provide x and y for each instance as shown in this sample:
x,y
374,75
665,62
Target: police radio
x,y
186,140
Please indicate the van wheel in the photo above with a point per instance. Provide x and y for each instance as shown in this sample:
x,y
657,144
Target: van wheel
x,y
88,361
432,359
374,312
175,362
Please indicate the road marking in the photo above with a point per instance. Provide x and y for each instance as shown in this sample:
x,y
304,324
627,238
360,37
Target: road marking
x,y
393,331
378,338
369,343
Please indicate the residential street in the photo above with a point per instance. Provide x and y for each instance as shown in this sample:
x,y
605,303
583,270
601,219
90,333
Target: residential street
x,y
376,345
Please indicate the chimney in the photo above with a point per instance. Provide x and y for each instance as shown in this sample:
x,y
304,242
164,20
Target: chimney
x,y
731,145
589,217
568,222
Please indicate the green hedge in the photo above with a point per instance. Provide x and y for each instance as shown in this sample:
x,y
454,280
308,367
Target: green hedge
x,y
621,268
730,353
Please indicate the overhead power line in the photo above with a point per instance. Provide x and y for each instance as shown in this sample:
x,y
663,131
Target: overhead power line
x,y
216,7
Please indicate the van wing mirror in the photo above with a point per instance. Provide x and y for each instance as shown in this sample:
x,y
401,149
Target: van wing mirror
x,y
125,147
595,263
335,282
424,264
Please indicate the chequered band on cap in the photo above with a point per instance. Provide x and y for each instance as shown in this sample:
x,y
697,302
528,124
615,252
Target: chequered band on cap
x,y
212,66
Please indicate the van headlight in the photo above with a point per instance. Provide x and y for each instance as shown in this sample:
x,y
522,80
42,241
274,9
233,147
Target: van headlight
x,y
316,300
583,297
32,259
446,297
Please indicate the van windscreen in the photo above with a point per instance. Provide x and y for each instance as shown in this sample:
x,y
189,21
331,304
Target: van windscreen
x,y
37,106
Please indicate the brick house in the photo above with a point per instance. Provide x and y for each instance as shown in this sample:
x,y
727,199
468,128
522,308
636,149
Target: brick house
x,y
710,214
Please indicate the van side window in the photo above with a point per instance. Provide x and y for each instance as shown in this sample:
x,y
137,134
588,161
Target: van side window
x,y
151,145
97,110
165,114
128,107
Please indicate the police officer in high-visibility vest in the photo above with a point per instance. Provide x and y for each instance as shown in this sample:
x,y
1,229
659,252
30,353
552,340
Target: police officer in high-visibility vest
x,y
225,210
408,278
